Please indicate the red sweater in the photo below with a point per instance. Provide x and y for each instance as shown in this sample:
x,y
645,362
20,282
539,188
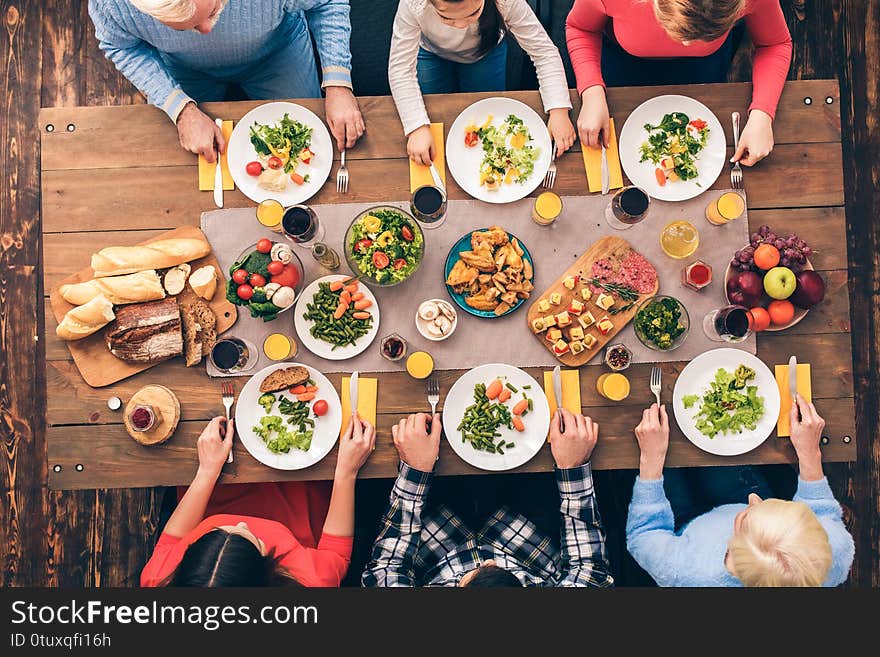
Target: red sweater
x,y
636,29
289,517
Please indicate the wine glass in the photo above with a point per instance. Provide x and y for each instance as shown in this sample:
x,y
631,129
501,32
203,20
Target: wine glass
x,y
628,206
728,324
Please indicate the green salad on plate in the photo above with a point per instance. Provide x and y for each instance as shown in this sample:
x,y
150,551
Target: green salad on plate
x,y
730,405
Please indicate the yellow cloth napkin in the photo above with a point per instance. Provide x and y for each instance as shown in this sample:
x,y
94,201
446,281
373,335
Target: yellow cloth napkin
x,y
571,391
420,175
804,387
367,390
206,170
593,164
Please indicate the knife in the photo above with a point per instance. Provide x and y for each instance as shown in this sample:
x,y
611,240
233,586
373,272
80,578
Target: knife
x,y
218,174
557,392
792,379
438,183
353,392
606,176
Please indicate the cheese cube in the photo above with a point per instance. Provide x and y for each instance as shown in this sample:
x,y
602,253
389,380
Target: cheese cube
x,y
604,301
554,334
575,307
577,347
577,333
563,319
555,298
569,282
590,340
560,347
605,325
543,305
549,321
538,324
586,293
587,320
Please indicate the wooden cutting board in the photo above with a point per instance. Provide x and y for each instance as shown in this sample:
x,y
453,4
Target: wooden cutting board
x,y
613,248
97,366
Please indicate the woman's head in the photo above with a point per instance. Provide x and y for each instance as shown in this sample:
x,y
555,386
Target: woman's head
x,y
198,15
461,14
698,20
778,543
230,555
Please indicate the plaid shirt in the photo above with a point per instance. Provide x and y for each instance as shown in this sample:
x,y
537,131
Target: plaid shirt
x,y
439,550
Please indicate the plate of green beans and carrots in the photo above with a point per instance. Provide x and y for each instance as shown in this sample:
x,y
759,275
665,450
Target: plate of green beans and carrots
x,y
336,317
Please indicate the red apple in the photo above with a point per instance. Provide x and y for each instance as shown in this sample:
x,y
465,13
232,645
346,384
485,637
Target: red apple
x,y
810,289
745,288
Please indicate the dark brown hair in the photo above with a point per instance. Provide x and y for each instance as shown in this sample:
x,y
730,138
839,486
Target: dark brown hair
x,y
698,20
489,25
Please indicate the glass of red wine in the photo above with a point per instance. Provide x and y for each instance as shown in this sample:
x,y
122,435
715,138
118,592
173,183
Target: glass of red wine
x,y
728,324
231,355
300,225
428,205
628,206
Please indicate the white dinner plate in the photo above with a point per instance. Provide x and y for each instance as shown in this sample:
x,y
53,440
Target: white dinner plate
x,y
695,379
325,349
248,413
464,161
241,151
710,160
526,443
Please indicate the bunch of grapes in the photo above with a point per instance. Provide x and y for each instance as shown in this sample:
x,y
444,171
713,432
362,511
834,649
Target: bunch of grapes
x,y
793,251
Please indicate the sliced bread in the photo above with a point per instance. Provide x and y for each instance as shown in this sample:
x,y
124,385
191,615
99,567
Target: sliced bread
x,y
286,378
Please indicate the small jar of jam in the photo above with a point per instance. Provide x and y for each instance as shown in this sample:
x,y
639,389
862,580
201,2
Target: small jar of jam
x,y
142,417
393,347
618,357
697,275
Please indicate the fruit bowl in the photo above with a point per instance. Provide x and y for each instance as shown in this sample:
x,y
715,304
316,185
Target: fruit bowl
x,y
799,313
683,320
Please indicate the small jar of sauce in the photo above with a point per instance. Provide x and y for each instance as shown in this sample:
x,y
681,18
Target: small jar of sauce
x,y
697,275
393,347
142,417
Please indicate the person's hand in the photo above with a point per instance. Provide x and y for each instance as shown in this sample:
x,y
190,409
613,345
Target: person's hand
x,y
653,436
199,134
806,432
417,446
574,446
343,116
355,446
214,445
561,129
420,145
594,122
756,139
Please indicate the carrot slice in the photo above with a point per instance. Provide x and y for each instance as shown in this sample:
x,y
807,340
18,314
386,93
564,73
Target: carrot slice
x,y
311,389
298,390
345,296
504,395
494,389
520,407
361,314
335,286
351,288
363,304
518,424
357,296
306,396
340,310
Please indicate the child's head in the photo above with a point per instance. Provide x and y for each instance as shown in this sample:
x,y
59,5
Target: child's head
x,y
698,20
461,14
488,574
229,556
778,543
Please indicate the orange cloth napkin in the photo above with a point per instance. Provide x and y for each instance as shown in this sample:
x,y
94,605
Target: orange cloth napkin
x,y
206,170
420,175
367,391
593,164
804,387
571,391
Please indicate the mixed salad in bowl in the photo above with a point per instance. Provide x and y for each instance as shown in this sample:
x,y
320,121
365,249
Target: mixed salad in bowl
x,y
384,245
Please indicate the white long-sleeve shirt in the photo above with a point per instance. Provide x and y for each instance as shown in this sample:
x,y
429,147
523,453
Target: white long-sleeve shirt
x,y
418,24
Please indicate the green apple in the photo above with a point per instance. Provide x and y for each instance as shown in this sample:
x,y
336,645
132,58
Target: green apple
x,y
780,282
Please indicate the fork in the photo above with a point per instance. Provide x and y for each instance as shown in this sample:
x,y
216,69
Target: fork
x,y
550,176
342,176
736,174
228,396
656,373
433,394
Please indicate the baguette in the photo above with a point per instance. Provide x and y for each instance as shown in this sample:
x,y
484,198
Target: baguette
x,y
115,260
119,290
203,281
82,321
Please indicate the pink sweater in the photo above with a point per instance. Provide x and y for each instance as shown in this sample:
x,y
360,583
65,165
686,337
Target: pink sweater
x,y
635,27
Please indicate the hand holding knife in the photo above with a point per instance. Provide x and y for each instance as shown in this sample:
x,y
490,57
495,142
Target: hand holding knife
x,y
606,175
218,173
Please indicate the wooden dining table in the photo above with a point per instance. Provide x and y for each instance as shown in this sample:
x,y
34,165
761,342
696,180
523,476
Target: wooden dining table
x,y
118,176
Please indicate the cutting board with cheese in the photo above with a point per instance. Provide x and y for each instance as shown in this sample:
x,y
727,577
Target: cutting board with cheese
x,y
128,289
572,310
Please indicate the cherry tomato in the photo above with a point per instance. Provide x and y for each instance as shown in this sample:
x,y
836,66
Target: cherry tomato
x,y
471,139
363,245
699,124
400,263
275,162
254,168
257,280
320,407
275,267
380,260
289,277
264,245
245,292
406,233
240,276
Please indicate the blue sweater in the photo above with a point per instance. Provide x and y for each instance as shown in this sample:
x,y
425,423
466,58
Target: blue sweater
x,y
247,32
695,556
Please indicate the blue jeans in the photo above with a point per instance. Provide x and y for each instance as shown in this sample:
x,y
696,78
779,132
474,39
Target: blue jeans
x,y
290,72
442,76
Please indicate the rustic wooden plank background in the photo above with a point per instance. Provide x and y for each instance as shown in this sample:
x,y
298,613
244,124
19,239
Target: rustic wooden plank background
x,y
103,537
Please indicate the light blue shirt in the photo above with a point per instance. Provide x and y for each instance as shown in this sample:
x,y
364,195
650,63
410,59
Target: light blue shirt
x,y
695,555
247,32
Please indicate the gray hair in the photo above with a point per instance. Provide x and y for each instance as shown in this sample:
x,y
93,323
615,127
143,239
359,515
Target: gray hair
x,y
170,11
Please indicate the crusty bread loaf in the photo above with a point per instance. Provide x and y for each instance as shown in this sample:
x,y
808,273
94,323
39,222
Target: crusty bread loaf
x,y
84,320
161,254
146,332
119,290
286,378
199,331
208,321
203,281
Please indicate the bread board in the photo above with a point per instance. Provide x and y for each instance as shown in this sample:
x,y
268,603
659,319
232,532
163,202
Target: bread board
x,y
164,403
611,248
97,366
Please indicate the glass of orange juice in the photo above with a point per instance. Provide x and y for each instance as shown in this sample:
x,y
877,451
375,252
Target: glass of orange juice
x,y
725,208
679,239
270,213
613,386
420,364
278,346
547,208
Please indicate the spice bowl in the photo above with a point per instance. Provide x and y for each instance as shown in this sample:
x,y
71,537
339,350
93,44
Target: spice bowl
x,y
618,357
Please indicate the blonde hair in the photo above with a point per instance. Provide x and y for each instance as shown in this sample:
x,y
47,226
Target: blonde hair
x,y
698,20
167,11
780,543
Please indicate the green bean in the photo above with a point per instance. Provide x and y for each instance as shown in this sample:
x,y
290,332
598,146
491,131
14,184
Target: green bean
x,y
511,387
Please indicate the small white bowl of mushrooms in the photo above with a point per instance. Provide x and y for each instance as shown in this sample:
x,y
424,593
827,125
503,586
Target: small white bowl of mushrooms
x,y
436,319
